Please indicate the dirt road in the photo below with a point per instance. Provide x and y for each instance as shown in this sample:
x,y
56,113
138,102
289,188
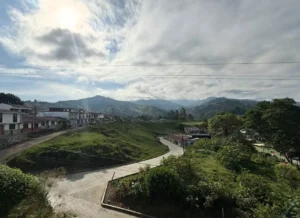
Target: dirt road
x,y
5,153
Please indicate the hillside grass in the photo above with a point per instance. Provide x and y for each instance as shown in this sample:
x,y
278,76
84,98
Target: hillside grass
x,y
97,146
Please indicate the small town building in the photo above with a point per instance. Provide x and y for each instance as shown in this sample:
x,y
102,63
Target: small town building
x,y
16,108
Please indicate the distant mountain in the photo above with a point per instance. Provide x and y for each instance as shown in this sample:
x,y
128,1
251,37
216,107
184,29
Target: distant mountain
x,y
159,103
106,105
212,107
192,103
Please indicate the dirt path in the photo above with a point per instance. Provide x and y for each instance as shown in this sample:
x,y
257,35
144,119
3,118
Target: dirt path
x,y
81,193
5,153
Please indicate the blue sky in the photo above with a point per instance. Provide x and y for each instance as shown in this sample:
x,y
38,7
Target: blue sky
x,y
57,50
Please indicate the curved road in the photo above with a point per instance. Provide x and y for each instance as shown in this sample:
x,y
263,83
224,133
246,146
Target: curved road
x,y
81,193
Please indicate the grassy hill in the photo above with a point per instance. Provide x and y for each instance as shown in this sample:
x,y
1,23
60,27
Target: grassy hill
x,y
99,145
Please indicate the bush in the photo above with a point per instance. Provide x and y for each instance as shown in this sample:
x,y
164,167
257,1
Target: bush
x,y
264,158
182,166
266,211
163,183
234,157
16,188
253,189
288,173
213,144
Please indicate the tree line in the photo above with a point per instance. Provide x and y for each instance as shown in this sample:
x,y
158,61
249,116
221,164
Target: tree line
x,y
276,123
179,115
8,98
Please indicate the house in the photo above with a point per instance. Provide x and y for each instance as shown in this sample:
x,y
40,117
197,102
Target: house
x,y
10,122
192,130
16,108
71,114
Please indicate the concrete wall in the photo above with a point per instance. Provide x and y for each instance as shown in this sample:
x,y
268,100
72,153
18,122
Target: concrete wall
x,y
8,118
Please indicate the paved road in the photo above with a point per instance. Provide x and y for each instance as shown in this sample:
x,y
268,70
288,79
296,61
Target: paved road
x,y
81,193
4,153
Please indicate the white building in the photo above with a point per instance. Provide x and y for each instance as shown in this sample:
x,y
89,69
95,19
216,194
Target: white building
x,y
10,121
16,108
70,114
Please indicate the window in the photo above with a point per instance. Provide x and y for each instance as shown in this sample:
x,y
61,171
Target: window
x,y
52,122
25,126
1,115
15,118
12,126
43,123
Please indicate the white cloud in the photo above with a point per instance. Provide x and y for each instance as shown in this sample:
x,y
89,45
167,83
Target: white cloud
x,y
135,32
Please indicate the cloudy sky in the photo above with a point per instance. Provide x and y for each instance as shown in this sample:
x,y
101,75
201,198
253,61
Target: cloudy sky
x,y
132,49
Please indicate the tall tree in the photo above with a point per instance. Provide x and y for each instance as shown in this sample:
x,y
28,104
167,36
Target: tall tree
x,y
224,124
9,98
182,114
176,115
278,122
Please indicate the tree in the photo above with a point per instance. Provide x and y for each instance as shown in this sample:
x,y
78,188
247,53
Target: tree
x,y
190,117
182,114
9,98
278,123
176,115
224,124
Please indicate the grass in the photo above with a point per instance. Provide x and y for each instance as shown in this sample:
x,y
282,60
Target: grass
x,y
268,150
99,145
193,123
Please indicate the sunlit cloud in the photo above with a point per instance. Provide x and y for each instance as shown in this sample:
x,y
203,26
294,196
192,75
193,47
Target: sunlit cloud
x,y
79,43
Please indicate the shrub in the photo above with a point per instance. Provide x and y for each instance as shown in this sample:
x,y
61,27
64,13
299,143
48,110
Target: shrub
x,y
252,190
16,187
264,158
287,173
163,183
213,144
234,157
266,211
182,166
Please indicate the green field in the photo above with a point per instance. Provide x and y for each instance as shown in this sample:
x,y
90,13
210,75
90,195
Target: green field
x,y
193,123
99,145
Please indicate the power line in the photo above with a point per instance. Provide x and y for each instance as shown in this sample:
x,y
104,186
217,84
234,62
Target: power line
x,y
206,77
161,64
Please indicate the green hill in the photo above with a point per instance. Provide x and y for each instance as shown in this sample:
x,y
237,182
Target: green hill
x,y
106,105
211,108
98,146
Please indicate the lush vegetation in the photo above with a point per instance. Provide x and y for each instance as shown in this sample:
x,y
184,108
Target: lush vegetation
x,y
8,98
99,145
278,123
22,195
216,174
179,115
226,174
221,105
224,124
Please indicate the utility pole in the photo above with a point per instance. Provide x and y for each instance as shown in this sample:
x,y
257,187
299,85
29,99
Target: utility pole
x,y
35,114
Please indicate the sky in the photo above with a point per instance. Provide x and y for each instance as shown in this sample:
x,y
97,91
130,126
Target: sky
x,y
150,49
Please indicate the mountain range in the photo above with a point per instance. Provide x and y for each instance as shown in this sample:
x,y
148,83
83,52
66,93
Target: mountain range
x,y
200,109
